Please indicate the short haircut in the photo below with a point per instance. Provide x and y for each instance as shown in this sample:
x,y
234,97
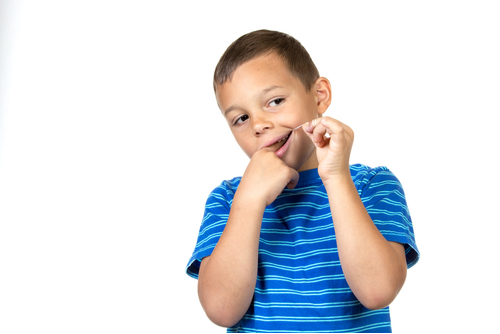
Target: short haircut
x,y
264,42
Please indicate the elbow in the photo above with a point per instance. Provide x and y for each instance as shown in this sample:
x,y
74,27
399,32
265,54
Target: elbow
x,y
222,318
219,311
378,298
224,306
376,302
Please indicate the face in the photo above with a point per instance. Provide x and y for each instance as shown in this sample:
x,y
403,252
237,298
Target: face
x,y
263,103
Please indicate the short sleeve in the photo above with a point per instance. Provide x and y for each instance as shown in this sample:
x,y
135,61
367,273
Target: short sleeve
x,y
214,221
384,199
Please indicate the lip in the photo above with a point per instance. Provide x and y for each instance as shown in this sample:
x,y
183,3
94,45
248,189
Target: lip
x,y
279,153
275,140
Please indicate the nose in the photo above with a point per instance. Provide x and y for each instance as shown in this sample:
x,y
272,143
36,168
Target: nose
x,y
261,125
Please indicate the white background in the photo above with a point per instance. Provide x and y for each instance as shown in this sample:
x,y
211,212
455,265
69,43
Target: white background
x,y
111,141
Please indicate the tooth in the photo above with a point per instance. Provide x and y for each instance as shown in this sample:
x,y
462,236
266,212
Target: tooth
x,y
282,139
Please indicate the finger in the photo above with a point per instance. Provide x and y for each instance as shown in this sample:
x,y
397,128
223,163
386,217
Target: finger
x,y
310,130
309,126
320,134
338,129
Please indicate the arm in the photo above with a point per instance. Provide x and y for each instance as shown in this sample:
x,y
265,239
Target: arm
x,y
374,268
227,278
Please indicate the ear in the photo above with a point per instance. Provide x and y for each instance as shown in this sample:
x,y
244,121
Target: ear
x,y
323,92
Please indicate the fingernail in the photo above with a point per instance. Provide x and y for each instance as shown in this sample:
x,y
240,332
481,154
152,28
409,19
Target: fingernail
x,y
308,127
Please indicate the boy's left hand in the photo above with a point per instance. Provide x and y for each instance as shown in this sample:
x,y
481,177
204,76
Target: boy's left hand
x,y
332,153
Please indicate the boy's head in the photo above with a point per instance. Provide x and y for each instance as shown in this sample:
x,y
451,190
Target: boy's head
x,y
266,85
264,42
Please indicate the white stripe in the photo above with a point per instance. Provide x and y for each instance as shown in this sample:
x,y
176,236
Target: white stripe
x,y
297,256
297,242
302,293
268,278
300,268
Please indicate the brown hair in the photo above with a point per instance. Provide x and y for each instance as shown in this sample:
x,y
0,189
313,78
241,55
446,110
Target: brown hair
x,y
263,42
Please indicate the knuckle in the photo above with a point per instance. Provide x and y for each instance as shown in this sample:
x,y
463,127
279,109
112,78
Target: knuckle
x,y
258,154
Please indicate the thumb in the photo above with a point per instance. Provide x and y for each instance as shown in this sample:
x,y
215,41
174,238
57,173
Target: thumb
x,y
308,130
294,180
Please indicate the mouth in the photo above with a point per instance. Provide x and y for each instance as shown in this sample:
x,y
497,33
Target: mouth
x,y
280,144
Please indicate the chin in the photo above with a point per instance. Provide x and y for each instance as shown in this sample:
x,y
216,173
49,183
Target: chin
x,y
308,162
294,163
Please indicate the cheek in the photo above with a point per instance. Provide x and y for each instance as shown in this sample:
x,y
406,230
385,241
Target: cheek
x,y
313,113
292,118
305,111
310,108
303,138
304,143
245,146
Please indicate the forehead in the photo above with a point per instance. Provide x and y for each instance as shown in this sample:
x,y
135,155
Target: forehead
x,y
263,67
254,76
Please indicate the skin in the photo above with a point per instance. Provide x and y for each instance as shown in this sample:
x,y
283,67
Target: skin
x,y
261,102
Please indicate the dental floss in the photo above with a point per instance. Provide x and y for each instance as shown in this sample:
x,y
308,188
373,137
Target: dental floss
x,y
327,135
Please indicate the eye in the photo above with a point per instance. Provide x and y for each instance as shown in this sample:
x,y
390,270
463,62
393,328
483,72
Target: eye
x,y
240,119
276,102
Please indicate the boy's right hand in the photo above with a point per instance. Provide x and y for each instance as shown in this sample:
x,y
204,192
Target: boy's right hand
x,y
226,281
266,176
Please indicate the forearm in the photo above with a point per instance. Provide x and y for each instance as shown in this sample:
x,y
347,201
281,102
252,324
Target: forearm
x,y
227,279
371,265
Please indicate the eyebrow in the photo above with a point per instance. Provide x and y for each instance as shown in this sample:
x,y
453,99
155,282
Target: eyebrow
x,y
262,92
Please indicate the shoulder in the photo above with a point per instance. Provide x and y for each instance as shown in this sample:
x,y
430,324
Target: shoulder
x,y
362,174
228,186
225,191
365,177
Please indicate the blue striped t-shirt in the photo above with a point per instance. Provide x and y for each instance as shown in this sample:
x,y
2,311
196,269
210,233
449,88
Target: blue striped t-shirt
x,y
300,284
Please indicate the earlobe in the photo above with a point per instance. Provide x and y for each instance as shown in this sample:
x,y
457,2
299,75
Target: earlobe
x,y
323,91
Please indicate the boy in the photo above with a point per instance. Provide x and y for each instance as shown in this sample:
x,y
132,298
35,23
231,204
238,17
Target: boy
x,y
302,241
